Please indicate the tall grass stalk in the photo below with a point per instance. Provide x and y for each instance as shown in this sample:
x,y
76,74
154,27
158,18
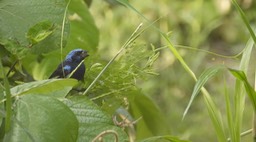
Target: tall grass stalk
x,y
62,33
235,120
8,103
214,113
246,22
240,91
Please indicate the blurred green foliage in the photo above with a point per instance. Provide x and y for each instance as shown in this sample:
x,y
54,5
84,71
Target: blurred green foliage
x,y
146,82
214,26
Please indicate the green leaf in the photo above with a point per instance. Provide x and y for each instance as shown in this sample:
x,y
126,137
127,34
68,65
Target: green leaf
x,y
204,77
17,17
83,31
153,122
14,48
249,89
52,87
42,119
93,121
39,32
163,138
240,75
216,118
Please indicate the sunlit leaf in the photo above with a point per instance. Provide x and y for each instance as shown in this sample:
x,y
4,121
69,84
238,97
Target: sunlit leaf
x,y
53,87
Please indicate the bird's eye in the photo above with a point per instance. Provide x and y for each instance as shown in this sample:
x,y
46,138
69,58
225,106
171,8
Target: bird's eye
x,y
79,53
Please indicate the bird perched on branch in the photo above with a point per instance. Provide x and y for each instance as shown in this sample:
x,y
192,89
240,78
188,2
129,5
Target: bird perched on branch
x,y
72,65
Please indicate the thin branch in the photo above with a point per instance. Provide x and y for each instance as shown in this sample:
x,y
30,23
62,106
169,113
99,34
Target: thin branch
x,y
12,67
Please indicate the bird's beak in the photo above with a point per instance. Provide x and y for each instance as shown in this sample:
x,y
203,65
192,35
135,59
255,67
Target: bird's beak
x,y
85,54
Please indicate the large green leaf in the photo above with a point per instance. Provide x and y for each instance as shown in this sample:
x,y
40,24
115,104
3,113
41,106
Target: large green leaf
x,y
42,119
53,87
153,122
18,17
93,121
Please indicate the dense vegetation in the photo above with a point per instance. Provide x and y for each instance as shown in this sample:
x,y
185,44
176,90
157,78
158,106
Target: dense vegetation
x,y
157,71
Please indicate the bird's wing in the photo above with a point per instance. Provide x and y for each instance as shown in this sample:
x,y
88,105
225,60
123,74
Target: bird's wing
x,y
61,72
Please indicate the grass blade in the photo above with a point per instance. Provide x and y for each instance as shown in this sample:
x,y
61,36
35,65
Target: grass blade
x,y
211,107
249,89
230,120
62,33
215,116
239,97
244,20
204,77
178,56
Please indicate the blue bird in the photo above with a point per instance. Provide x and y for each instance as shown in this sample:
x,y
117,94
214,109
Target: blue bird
x,y
72,60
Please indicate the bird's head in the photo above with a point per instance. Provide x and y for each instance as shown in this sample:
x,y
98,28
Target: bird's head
x,y
76,55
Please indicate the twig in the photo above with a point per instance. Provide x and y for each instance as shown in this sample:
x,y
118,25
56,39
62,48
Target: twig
x,y
105,133
12,67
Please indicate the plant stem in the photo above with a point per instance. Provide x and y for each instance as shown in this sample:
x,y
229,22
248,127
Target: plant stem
x,y
130,39
8,104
